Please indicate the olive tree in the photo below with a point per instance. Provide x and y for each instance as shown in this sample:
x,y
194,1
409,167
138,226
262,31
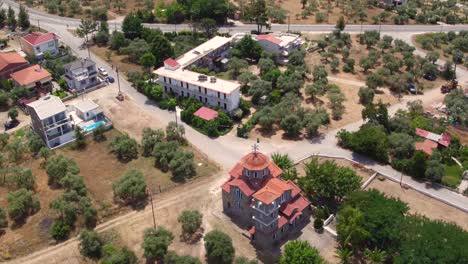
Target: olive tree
x,y
131,187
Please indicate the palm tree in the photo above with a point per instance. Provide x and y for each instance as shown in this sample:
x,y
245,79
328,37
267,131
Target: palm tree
x,y
282,160
345,255
350,228
375,256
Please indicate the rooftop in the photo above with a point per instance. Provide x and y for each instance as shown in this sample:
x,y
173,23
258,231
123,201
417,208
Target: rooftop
x,y
200,51
78,64
7,58
48,106
426,146
255,161
30,75
280,39
86,105
191,77
272,190
206,113
37,38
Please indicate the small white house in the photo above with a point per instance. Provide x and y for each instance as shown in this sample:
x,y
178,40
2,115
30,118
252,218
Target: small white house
x,y
37,44
281,44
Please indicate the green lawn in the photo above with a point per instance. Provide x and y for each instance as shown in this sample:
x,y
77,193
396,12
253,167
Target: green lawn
x,y
452,176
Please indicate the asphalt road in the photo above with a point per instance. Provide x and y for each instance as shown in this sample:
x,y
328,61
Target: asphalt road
x,y
39,17
228,149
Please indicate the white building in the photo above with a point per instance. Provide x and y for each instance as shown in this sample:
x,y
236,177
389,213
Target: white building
x,y
50,121
37,44
176,77
281,44
81,74
55,123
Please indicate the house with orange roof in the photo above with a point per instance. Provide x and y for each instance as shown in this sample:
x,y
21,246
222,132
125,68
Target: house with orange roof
x,y
258,199
33,77
11,62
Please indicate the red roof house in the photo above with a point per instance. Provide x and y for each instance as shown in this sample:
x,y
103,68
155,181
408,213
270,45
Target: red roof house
x,y
257,196
431,141
33,76
37,44
11,62
206,113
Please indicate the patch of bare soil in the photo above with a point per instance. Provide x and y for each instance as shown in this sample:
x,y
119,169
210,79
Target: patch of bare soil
x,y
33,234
422,204
294,7
116,60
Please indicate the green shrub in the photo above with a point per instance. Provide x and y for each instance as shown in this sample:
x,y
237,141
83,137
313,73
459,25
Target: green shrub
x,y
318,223
60,230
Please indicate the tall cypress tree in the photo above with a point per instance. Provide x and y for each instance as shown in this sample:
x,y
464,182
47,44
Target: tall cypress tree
x,y
11,19
23,17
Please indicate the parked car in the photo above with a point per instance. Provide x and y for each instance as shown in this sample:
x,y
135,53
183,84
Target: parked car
x,y
102,71
11,124
429,77
110,79
412,88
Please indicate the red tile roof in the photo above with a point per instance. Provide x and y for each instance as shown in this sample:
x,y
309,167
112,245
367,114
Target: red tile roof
x,y
445,140
296,205
206,113
295,189
255,161
37,38
7,58
270,38
422,133
236,172
30,75
272,190
239,183
171,62
282,221
426,146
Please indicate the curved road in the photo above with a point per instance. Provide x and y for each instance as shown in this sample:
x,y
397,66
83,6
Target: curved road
x,y
227,150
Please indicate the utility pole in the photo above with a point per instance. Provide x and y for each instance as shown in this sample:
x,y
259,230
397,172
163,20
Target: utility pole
x,y
380,24
289,22
152,207
118,79
38,25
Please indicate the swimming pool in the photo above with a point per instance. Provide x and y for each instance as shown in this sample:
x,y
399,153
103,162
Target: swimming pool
x,y
93,126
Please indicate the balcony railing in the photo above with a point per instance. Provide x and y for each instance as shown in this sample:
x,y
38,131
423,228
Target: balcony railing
x,y
55,124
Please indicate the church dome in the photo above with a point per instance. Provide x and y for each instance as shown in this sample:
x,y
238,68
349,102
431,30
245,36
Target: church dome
x,y
255,161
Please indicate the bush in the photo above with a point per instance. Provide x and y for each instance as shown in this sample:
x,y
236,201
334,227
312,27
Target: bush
x,y
190,221
60,230
3,218
366,95
98,133
125,148
318,223
155,243
59,166
219,248
131,187
90,244
21,203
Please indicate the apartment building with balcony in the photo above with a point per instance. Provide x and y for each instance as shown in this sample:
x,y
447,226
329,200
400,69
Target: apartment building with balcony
x,y
177,77
81,74
258,199
50,121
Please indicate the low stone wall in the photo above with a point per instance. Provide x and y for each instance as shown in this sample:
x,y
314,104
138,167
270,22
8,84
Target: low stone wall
x,y
392,179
